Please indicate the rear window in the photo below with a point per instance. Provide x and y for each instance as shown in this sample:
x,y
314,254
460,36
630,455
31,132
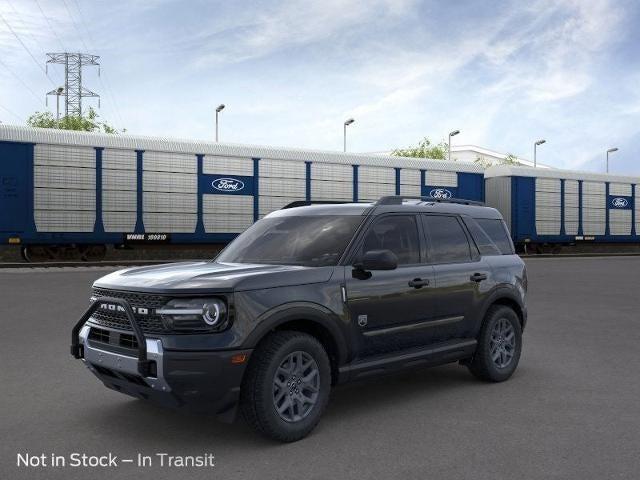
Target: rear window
x,y
498,233
447,241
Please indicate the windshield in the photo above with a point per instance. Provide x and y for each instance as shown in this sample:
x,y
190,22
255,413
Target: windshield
x,y
314,241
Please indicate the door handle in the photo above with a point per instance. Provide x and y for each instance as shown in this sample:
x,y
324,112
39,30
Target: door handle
x,y
418,282
478,277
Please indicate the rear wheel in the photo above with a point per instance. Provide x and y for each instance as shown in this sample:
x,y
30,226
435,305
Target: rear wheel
x,y
287,385
499,345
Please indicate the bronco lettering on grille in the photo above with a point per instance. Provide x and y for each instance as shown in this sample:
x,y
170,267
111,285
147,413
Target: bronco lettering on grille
x,y
118,308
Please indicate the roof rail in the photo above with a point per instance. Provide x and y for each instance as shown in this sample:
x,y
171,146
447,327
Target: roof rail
x,y
398,199
307,203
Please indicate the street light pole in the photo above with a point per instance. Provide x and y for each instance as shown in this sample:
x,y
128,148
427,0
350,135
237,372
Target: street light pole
x,y
346,123
611,150
451,134
58,93
218,110
535,146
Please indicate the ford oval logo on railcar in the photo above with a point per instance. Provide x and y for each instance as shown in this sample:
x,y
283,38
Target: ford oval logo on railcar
x,y
440,193
227,184
620,202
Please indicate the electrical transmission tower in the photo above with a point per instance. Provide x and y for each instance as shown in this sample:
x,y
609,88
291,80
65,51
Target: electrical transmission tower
x,y
73,91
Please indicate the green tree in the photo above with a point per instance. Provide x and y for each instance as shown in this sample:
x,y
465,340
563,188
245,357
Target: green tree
x,y
86,123
509,159
425,149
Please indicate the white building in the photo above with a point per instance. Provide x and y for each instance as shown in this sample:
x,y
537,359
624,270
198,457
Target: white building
x,y
470,153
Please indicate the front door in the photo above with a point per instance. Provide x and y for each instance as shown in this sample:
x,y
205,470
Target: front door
x,y
389,308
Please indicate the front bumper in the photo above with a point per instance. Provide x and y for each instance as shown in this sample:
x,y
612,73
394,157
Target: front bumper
x,y
202,381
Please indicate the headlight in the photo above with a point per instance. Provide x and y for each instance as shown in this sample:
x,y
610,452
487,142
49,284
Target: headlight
x,y
194,314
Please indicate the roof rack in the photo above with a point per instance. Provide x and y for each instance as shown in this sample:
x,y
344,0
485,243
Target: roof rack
x,y
307,203
398,199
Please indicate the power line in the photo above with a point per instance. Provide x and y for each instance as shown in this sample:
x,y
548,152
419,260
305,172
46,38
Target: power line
x,y
64,49
105,85
21,81
75,26
25,27
27,49
11,112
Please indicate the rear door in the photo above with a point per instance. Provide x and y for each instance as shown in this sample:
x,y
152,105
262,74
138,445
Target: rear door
x,y
461,276
14,181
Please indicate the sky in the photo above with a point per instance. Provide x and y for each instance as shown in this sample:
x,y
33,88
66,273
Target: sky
x,y
505,73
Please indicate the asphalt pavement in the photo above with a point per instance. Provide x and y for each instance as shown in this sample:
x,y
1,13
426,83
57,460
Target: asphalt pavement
x,y
572,409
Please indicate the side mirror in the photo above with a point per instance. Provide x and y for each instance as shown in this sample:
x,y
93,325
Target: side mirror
x,y
377,260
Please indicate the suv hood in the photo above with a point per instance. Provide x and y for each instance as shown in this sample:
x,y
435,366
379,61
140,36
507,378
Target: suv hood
x,y
200,277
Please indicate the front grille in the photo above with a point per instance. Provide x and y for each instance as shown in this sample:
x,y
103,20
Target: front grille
x,y
150,323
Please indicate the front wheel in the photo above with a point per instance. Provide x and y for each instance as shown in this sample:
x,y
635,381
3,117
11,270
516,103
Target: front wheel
x,y
499,345
287,385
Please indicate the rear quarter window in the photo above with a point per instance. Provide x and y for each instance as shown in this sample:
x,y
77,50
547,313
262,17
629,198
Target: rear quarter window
x,y
497,231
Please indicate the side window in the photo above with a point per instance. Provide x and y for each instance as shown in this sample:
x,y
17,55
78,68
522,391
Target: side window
x,y
497,232
447,240
398,233
484,243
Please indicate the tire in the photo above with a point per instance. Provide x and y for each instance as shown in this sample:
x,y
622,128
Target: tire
x,y
266,386
501,337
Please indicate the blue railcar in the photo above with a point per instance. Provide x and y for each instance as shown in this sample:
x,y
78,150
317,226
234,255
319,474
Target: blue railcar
x,y
559,207
79,190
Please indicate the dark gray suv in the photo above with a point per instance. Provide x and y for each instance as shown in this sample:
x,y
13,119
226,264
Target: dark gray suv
x,y
309,297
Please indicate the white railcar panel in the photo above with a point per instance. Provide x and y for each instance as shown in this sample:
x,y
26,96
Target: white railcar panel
x,y
64,199
227,204
64,156
546,227
170,202
594,214
593,228
410,176
116,159
282,169
330,190
119,180
620,189
548,198
214,165
594,201
119,201
441,179
216,223
547,184
381,175
548,213
332,171
169,162
64,221
119,221
373,191
169,182
169,222
571,218
271,204
283,187
571,199
594,188
571,186
620,221
411,190
65,177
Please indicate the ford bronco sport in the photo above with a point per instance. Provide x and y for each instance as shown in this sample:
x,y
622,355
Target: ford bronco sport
x,y
309,297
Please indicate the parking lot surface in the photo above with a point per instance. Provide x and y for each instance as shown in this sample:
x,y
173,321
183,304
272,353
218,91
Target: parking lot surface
x,y
572,410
